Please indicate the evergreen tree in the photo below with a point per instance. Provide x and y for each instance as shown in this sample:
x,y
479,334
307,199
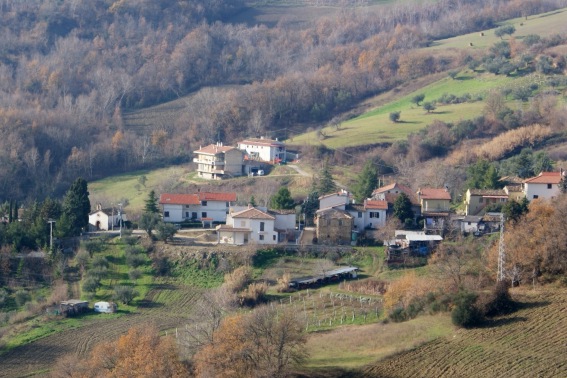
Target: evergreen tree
x,y
75,210
310,206
482,175
402,208
326,184
152,204
252,201
563,184
366,183
282,199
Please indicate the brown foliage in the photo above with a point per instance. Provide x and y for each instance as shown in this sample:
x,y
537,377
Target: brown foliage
x,y
401,292
139,353
368,287
238,279
265,343
507,142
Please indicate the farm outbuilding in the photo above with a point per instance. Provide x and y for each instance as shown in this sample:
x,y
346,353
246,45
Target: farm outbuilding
x,y
105,307
73,307
331,276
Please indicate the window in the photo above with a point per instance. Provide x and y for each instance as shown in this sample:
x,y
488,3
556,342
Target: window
x,y
261,226
274,237
536,196
374,215
186,206
480,200
194,215
227,204
360,214
548,186
186,214
204,203
340,222
204,214
261,237
166,214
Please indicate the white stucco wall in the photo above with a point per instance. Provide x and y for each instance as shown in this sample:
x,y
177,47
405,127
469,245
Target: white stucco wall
x,y
542,191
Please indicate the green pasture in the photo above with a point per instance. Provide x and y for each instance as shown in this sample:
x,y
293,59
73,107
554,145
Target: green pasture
x,y
376,127
127,186
355,346
544,24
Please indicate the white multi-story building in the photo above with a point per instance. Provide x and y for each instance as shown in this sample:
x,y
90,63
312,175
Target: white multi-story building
x,y
203,206
261,149
215,161
248,226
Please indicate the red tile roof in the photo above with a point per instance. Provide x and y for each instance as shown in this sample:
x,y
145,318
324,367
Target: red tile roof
x,y
545,178
252,213
195,199
435,194
178,199
376,205
225,197
213,149
386,188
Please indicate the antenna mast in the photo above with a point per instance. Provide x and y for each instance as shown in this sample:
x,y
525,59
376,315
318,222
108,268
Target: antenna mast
x,y
501,251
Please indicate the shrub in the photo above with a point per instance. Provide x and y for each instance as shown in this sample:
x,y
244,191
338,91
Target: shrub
x,y
465,313
499,302
134,274
100,262
254,294
283,283
238,279
22,297
90,285
395,116
124,294
3,297
398,315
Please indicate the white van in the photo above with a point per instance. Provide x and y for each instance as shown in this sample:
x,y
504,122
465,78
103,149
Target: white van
x,y
106,307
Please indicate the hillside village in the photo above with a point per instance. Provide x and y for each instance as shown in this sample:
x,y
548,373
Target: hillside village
x,y
315,189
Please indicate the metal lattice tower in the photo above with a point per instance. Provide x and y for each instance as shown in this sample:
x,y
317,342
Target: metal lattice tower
x,y
501,252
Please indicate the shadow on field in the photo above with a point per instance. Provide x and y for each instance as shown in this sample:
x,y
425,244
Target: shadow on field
x,y
408,122
144,303
493,323
526,305
464,78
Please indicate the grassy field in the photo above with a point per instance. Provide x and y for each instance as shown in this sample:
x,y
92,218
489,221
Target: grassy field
x,y
542,24
355,346
375,126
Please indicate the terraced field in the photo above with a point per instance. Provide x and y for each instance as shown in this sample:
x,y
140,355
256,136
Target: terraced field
x,y
167,306
532,342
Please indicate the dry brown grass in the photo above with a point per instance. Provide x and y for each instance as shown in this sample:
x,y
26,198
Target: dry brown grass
x,y
509,141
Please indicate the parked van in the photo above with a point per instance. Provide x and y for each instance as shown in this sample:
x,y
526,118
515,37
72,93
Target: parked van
x,y
106,307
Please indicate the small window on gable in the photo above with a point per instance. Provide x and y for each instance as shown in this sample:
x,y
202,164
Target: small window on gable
x,y
548,186
204,203
166,214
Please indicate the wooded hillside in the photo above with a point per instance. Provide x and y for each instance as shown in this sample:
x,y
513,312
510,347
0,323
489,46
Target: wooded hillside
x,y
70,70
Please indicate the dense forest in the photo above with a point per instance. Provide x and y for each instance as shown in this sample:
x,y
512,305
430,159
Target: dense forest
x,y
70,70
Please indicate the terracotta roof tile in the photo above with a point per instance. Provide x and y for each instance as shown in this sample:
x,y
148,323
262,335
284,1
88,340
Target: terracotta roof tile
x,y
262,142
252,213
179,199
545,178
435,194
224,197
488,192
376,205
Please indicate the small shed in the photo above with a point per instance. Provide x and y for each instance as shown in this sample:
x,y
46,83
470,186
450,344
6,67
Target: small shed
x,y
73,307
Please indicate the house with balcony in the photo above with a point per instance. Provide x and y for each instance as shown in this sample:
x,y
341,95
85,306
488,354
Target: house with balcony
x,y
206,207
435,208
216,162
543,186
247,226
476,200
265,150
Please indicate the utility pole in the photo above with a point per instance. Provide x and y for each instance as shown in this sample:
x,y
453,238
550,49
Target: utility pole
x,y
120,219
501,252
51,221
